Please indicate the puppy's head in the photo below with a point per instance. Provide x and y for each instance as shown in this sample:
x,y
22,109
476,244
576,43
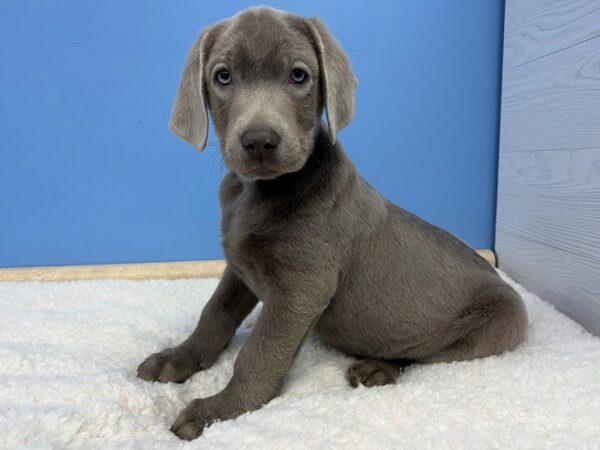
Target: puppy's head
x,y
265,76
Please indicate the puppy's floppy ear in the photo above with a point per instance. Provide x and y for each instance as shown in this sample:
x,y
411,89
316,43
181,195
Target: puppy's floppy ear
x,y
337,79
189,116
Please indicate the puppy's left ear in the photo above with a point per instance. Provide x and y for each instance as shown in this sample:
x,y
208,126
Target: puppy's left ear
x,y
189,117
337,79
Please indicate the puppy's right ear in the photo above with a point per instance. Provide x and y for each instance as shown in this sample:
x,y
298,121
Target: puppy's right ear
x,y
337,78
189,116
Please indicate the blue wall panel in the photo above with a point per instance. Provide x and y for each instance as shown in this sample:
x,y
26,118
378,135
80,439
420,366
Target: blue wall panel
x,y
89,172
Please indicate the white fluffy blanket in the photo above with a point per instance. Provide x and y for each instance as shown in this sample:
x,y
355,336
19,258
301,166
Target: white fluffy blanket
x,y
68,354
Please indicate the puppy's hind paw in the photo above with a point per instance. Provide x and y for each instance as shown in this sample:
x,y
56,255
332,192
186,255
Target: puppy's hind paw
x,y
375,372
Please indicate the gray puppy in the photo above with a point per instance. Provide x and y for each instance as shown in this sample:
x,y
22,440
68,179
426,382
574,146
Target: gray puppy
x,y
306,235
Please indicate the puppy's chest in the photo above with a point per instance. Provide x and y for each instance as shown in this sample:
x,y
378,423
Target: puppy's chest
x,y
251,239
243,244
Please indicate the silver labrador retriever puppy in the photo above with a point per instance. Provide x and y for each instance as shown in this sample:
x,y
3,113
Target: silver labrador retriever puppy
x,y
306,235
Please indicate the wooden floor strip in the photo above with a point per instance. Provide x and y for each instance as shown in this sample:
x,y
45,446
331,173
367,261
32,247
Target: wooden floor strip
x,y
142,271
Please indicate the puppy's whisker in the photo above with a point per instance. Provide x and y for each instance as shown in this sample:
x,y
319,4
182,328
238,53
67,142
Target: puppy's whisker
x,y
213,158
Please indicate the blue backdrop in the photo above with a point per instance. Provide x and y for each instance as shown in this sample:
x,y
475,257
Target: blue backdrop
x,y
89,172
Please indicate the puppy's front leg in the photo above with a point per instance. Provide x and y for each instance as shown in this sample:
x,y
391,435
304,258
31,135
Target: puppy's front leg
x,y
231,302
261,365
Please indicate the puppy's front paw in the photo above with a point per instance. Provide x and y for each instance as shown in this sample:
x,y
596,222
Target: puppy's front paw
x,y
192,421
173,364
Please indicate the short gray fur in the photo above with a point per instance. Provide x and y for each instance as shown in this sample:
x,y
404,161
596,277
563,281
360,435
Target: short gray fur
x,y
548,220
305,234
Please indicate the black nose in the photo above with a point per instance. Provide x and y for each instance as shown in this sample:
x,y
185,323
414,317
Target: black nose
x,y
260,142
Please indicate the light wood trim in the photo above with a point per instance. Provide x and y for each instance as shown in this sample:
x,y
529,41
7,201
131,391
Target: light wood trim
x,y
488,255
142,271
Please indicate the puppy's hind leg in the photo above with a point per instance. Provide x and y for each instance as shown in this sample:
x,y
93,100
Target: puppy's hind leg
x,y
493,323
376,372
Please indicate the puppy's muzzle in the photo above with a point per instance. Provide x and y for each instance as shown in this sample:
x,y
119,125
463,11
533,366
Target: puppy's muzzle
x,y
260,142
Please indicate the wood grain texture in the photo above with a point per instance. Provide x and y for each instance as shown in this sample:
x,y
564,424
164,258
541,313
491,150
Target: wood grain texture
x,y
553,197
548,217
537,28
566,279
552,103
548,229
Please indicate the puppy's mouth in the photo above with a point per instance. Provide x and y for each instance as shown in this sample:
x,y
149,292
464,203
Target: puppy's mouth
x,y
260,170
263,168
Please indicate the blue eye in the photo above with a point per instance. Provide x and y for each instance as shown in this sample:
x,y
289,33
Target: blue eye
x,y
223,77
298,76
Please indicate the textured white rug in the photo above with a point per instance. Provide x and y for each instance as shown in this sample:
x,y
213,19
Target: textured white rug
x,y
68,354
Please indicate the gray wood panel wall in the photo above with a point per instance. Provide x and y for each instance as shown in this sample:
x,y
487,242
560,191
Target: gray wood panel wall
x,y
548,218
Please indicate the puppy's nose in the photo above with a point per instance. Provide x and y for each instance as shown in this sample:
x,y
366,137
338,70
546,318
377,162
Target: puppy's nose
x,y
260,142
